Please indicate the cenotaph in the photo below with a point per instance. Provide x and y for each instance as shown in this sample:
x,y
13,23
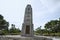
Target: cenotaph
x,y
27,26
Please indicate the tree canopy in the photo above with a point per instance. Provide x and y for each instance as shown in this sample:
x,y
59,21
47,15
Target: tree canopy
x,y
13,29
3,23
53,25
1,17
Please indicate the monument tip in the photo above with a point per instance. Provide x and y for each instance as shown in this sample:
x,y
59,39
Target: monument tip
x,y
28,5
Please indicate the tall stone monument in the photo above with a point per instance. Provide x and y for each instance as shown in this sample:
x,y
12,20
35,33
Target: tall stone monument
x,y
27,26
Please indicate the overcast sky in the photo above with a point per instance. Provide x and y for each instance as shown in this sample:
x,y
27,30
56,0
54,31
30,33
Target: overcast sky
x,y
43,11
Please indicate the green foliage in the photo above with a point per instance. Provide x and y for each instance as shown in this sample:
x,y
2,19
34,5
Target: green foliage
x,y
53,25
1,17
4,32
3,23
14,30
57,27
52,34
52,28
38,30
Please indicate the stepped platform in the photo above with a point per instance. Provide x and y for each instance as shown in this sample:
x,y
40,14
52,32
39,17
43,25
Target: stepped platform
x,y
18,37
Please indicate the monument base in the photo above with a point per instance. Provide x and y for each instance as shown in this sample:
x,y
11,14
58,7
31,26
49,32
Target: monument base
x,y
17,37
27,35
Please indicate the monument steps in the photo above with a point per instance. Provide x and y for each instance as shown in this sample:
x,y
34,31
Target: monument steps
x,y
18,37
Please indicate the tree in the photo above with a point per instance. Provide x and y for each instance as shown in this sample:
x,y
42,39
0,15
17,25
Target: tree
x,y
38,30
3,23
57,27
53,25
13,29
1,17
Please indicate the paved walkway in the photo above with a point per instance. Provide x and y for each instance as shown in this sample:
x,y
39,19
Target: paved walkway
x,y
18,37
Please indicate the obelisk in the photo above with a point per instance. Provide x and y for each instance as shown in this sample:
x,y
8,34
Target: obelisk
x,y
27,26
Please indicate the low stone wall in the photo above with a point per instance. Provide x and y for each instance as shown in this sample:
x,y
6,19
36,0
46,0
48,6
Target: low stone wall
x,y
23,38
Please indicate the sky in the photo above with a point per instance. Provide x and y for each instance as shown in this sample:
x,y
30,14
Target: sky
x,y
43,11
